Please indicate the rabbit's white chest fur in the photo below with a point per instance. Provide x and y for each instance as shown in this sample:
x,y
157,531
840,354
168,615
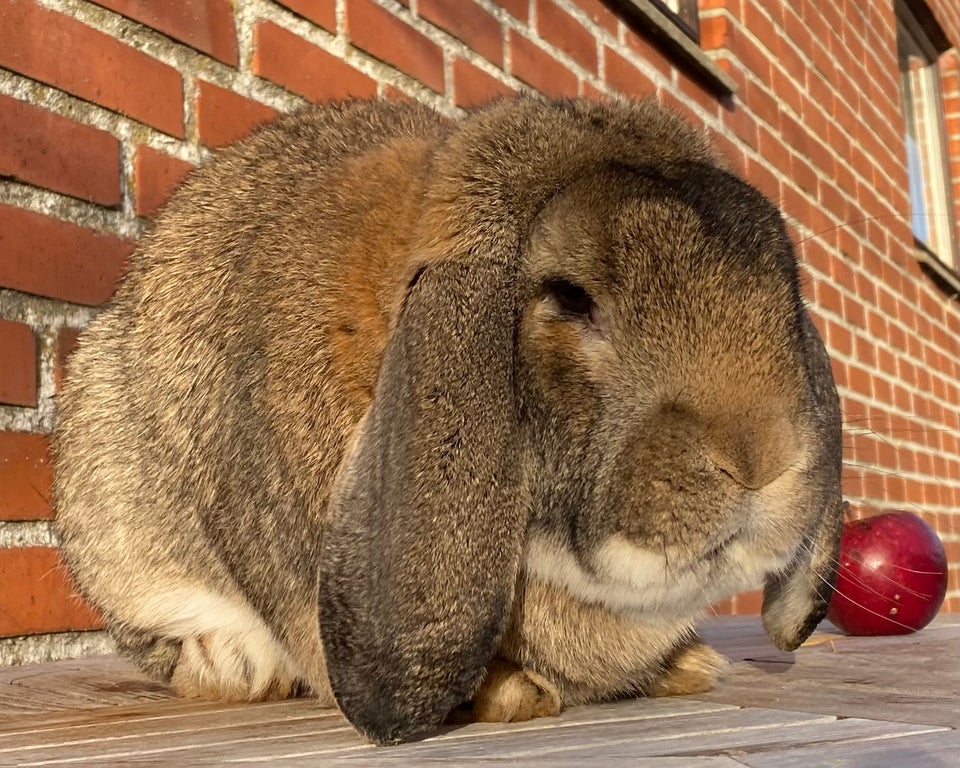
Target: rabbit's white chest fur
x,y
630,579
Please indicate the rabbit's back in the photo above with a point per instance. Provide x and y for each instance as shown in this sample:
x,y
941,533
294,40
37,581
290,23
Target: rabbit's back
x,y
207,408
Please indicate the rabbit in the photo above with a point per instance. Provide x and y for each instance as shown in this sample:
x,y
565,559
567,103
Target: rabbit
x,y
441,420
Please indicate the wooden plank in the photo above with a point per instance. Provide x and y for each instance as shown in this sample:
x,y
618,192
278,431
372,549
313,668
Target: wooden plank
x,y
931,750
533,761
893,686
113,726
900,677
177,738
110,733
472,742
90,718
705,734
901,691
742,637
544,747
71,685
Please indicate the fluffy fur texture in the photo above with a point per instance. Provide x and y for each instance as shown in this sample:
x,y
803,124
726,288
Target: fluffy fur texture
x,y
410,414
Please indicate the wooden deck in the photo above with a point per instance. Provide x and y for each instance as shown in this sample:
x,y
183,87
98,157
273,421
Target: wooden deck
x,y
838,701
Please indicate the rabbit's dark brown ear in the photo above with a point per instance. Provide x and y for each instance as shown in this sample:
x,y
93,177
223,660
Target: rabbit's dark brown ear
x,y
795,601
421,554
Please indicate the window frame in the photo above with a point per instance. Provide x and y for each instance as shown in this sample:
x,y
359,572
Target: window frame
x,y
670,32
686,16
913,20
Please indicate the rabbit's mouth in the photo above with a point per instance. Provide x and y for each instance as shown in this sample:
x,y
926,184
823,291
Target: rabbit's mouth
x,y
658,584
715,551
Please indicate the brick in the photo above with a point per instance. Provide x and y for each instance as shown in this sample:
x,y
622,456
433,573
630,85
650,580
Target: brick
x,y
54,258
748,603
224,116
681,106
649,51
760,176
833,202
468,22
599,14
774,151
90,65
305,69
519,9
564,32
539,69
473,86
206,25
692,90
625,77
67,339
839,338
50,151
795,30
723,608
18,372
381,34
589,91
752,56
742,124
829,297
26,476
894,488
731,152
156,175
854,312
859,380
867,354
392,93
320,12
760,26
38,595
817,256
816,121
714,32
795,205
761,102
822,157
851,485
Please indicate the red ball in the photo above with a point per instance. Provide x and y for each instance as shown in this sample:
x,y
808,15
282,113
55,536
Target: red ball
x,y
892,576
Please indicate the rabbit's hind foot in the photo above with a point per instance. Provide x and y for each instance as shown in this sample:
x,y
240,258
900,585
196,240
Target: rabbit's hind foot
x,y
695,668
509,694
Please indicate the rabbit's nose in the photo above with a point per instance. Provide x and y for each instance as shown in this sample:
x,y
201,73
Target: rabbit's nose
x,y
753,450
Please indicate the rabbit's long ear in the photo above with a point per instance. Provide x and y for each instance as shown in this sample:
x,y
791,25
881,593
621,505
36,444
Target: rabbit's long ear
x,y
795,601
426,527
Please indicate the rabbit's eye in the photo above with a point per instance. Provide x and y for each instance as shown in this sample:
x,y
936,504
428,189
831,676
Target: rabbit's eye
x,y
573,301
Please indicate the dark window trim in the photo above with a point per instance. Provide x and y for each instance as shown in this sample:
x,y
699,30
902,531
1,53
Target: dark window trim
x,y
662,25
687,16
946,276
920,16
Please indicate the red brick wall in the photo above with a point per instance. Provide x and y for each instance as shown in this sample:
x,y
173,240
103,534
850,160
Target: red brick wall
x,y
105,105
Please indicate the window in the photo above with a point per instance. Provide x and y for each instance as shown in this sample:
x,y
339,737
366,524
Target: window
x,y
674,26
684,14
931,204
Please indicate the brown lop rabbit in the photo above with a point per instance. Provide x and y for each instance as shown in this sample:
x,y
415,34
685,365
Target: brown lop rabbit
x,y
437,419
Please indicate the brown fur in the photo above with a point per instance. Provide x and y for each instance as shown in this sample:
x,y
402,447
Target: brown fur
x,y
400,411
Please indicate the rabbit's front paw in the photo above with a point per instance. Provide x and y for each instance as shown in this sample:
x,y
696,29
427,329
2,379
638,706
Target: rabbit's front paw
x,y
510,694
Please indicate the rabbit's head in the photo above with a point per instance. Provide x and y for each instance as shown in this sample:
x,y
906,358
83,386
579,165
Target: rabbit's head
x,y
601,371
